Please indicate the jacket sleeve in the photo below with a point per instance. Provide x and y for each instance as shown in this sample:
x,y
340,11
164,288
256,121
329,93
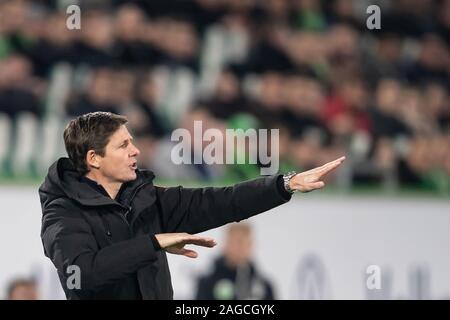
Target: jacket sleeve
x,y
68,240
194,210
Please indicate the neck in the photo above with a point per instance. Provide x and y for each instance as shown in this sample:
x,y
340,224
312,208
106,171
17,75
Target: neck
x,y
233,263
112,188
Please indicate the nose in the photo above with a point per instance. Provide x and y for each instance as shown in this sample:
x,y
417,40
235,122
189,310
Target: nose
x,y
135,151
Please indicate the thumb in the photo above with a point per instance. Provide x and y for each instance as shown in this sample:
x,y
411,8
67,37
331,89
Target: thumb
x,y
317,185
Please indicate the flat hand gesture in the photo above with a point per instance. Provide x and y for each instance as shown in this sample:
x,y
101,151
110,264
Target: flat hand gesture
x,y
311,180
174,243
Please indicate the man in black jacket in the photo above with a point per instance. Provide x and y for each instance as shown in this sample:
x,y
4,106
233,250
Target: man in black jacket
x,y
107,228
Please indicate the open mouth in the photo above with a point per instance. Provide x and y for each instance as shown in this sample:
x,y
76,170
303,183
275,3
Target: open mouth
x,y
133,166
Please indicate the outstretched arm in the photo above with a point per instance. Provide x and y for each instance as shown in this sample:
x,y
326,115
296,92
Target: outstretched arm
x,y
194,210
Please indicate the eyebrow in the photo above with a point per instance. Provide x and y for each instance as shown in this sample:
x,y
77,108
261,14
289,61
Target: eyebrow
x,y
126,140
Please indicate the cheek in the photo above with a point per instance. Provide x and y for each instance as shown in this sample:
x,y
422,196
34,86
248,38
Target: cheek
x,y
115,164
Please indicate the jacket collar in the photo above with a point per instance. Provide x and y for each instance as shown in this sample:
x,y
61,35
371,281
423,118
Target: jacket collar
x,y
63,180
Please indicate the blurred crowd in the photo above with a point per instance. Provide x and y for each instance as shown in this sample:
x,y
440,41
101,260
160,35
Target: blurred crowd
x,y
310,68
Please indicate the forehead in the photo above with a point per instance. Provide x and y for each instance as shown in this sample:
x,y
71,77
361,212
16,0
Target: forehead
x,y
120,135
239,234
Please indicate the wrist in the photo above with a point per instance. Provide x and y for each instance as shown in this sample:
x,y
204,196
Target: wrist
x,y
288,183
155,242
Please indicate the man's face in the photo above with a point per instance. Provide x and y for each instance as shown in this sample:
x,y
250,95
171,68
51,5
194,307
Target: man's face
x,y
119,163
238,247
24,292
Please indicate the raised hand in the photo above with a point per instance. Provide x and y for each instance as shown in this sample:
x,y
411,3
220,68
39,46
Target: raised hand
x,y
312,179
174,243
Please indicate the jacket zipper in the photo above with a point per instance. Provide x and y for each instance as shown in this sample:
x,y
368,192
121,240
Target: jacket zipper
x,y
123,216
124,219
106,225
132,197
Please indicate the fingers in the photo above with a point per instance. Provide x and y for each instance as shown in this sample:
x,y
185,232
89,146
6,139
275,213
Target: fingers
x,y
326,168
188,253
326,165
334,162
200,241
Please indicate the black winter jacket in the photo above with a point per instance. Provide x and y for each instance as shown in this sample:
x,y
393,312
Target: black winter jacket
x,y
110,241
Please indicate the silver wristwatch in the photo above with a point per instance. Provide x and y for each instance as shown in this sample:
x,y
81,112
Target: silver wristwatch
x,y
286,178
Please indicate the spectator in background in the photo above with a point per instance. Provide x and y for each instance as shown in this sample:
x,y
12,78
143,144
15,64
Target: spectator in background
x,y
147,98
413,111
304,100
309,15
432,63
55,43
98,96
436,97
269,52
274,10
18,89
13,22
386,115
227,99
96,45
235,276
385,60
22,289
182,49
267,101
343,50
345,111
130,48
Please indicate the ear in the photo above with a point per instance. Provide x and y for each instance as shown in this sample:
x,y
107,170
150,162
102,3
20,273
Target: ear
x,y
92,159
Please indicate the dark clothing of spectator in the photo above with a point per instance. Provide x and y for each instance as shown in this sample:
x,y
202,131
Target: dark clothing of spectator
x,y
94,57
14,101
302,124
45,55
135,53
155,127
267,57
234,283
86,105
386,125
224,109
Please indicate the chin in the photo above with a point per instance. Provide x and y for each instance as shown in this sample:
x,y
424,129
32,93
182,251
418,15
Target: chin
x,y
128,178
132,177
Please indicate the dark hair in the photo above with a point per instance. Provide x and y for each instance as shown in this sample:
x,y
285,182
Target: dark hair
x,y
90,131
19,282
